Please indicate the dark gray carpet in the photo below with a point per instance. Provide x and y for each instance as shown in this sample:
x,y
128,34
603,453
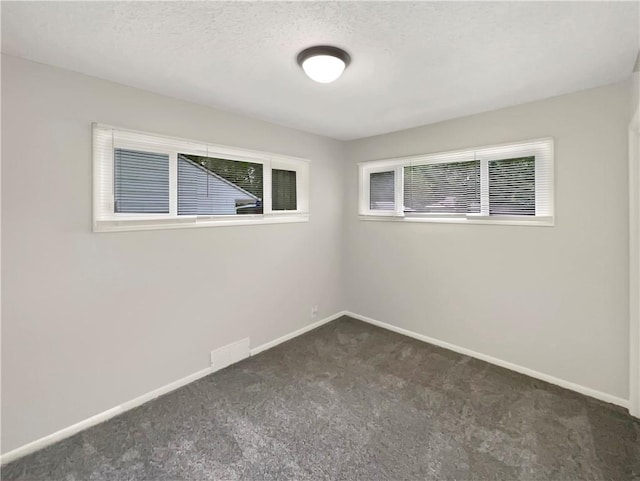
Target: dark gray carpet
x,y
352,401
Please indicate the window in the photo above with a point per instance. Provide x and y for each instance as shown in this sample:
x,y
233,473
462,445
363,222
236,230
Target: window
x,y
212,186
144,181
141,182
512,186
446,188
381,194
284,195
507,184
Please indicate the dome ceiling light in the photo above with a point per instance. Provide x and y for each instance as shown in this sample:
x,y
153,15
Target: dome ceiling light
x,y
323,63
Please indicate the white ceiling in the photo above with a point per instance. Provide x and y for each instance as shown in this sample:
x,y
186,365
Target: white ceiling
x,y
412,63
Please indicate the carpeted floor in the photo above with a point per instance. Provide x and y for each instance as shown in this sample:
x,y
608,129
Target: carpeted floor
x,y
352,401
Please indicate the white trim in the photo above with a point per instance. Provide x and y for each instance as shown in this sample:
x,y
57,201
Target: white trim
x,y
173,184
106,138
634,252
110,413
365,192
542,149
100,418
540,221
242,153
498,362
299,332
193,222
485,209
461,155
133,403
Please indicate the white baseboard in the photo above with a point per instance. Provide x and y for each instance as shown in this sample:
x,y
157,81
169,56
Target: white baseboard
x,y
99,418
299,332
602,396
110,413
220,358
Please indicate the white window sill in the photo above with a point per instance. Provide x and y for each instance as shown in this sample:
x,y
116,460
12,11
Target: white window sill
x,y
494,220
190,222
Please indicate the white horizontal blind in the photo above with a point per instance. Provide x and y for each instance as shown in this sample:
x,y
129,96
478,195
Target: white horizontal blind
x,y
519,179
141,182
120,180
512,186
442,188
511,183
154,143
103,198
283,190
382,191
145,181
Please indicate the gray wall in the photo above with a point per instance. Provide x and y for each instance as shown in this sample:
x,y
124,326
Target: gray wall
x,y
552,299
92,320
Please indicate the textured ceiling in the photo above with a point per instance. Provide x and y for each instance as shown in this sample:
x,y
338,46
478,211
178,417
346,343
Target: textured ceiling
x,y
412,63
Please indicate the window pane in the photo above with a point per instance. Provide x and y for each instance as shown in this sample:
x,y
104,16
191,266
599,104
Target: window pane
x,y
212,186
141,182
512,186
452,188
382,191
283,190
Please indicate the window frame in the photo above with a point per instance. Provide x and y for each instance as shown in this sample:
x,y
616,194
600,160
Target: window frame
x,y
105,218
365,186
542,149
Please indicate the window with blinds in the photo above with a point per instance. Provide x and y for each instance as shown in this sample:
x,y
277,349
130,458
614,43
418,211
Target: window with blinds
x,y
382,191
144,181
284,193
141,182
509,184
512,186
213,186
446,188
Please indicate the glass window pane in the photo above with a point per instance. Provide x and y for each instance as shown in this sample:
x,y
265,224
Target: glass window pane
x,y
141,182
382,191
213,186
283,187
451,188
512,186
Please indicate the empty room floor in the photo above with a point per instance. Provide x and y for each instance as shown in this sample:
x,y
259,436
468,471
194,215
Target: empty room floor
x,y
353,401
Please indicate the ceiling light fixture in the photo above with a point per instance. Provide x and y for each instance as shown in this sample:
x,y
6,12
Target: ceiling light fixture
x,y
323,63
